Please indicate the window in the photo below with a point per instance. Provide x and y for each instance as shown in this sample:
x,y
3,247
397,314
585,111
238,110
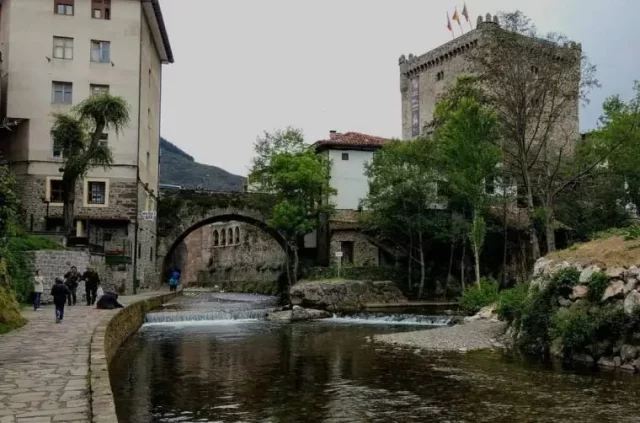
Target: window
x,y
62,92
63,7
534,70
237,235
151,254
108,236
489,186
216,238
223,237
347,252
230,236
440,76
97,192
62,48
104,138
99,89
101,9
100,51
345,156
139,249
57,149
56,191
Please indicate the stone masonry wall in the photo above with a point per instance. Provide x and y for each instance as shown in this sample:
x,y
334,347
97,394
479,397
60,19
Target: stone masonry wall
x,y
146,250
254,257
364,253
54,263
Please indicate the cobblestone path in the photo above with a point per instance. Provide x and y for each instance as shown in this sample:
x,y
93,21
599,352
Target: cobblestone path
x,y
44,366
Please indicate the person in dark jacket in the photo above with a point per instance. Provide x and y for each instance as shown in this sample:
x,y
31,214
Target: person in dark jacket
x,y
59,292
109,301
91,282
72,278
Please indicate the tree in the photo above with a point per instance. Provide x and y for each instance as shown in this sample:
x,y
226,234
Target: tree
x,y
534,83
467,140
79,136
8,205
403,198
299,179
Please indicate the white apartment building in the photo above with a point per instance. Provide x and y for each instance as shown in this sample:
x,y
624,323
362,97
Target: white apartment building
x,y
54,54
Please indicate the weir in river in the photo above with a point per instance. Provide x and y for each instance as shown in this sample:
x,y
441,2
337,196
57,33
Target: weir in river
x,y
213,358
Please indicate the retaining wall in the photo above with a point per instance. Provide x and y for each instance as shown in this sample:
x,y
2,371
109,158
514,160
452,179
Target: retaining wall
x,y
110,334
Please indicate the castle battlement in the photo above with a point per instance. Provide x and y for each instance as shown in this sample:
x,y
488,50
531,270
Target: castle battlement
x,y
412,65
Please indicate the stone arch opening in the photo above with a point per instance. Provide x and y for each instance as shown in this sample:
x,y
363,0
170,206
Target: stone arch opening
x,y
225,237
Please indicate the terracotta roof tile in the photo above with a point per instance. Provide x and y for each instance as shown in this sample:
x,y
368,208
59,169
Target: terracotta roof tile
x,y
351,139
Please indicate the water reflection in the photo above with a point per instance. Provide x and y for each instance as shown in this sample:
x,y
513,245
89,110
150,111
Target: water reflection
x,y
326,372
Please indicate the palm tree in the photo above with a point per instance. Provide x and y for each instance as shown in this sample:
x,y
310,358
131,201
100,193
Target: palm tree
x,y
78,134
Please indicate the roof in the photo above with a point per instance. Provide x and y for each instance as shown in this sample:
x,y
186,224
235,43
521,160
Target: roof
x,y
353,140
158,29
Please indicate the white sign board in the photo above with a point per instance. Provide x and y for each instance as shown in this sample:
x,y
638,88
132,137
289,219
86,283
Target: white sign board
x,y
149,215
339,254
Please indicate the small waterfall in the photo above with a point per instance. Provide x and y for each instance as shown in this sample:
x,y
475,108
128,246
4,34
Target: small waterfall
x,y
207,316
393,319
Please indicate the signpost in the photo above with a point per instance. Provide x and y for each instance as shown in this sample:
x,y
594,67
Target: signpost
x,y
339,258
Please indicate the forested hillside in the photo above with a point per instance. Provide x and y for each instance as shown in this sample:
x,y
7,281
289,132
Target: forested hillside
x,y
179,168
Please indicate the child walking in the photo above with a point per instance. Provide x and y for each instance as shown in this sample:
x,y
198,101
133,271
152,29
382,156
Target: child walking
x,y
59,292
38,289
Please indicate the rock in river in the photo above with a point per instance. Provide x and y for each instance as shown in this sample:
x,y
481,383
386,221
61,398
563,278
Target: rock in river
x,y
344,294
297,314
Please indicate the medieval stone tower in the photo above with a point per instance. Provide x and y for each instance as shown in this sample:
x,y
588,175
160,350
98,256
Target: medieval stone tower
x,y
423,79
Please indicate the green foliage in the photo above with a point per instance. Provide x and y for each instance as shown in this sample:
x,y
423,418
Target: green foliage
x,y
21,281
580,327
79,135
511,302
598,283
179,168
479,295
564,280
8,205
633,232
10,317
533,330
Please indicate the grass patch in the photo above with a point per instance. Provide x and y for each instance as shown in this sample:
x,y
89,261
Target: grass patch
x,y
611,251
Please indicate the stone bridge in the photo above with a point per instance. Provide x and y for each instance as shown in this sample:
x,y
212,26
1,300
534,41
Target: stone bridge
x,y
183,211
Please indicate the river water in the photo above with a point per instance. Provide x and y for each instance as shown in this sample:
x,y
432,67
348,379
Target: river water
x,y
211,358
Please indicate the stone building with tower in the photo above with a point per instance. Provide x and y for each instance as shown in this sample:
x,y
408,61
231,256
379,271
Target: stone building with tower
x,y
54,54
425,78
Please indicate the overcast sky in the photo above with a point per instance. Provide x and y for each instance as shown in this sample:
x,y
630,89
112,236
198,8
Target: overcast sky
x,y
246,66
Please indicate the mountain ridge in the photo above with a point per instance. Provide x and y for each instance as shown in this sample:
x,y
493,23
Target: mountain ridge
x,y
177,167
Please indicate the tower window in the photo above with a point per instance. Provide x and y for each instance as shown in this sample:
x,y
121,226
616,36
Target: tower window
x,y
63,7
345,156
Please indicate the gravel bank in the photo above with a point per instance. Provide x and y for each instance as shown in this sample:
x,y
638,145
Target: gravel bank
x,y
477,335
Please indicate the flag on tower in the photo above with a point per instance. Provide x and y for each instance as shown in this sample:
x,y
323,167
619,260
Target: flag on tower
x,y
449,27
465,13
456,17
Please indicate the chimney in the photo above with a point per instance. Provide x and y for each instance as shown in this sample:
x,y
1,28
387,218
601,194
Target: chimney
x,y
332,134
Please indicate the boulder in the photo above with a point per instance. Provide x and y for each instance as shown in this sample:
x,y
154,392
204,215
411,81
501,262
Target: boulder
x,y
628,368
586,273
485,313
297,314
628,353
579,292
614,290
540,266
636,364
583,358
630,285
608,362
344,295
633,272
615,272
632,302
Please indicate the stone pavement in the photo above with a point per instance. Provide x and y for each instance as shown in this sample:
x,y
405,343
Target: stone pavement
x,y
44,367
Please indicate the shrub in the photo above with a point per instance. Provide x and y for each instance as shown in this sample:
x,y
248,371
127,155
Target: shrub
x,y
564,280
574,327
598,283
511,302
537,310
479,295
632,232
10,317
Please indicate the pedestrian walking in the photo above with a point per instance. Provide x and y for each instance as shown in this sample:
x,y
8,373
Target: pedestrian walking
x,y
91,282
38,289
173,283
72,278
59,292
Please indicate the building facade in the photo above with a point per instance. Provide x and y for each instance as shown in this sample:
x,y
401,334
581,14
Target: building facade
x,y
56,53
349,154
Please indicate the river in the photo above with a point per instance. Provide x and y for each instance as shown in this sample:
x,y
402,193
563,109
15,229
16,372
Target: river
x,y
211,358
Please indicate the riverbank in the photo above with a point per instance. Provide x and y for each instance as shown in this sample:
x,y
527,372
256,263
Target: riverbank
x,y
45,367
475,335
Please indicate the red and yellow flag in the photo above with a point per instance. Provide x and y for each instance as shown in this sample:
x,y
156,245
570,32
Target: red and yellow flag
x,y
455,16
